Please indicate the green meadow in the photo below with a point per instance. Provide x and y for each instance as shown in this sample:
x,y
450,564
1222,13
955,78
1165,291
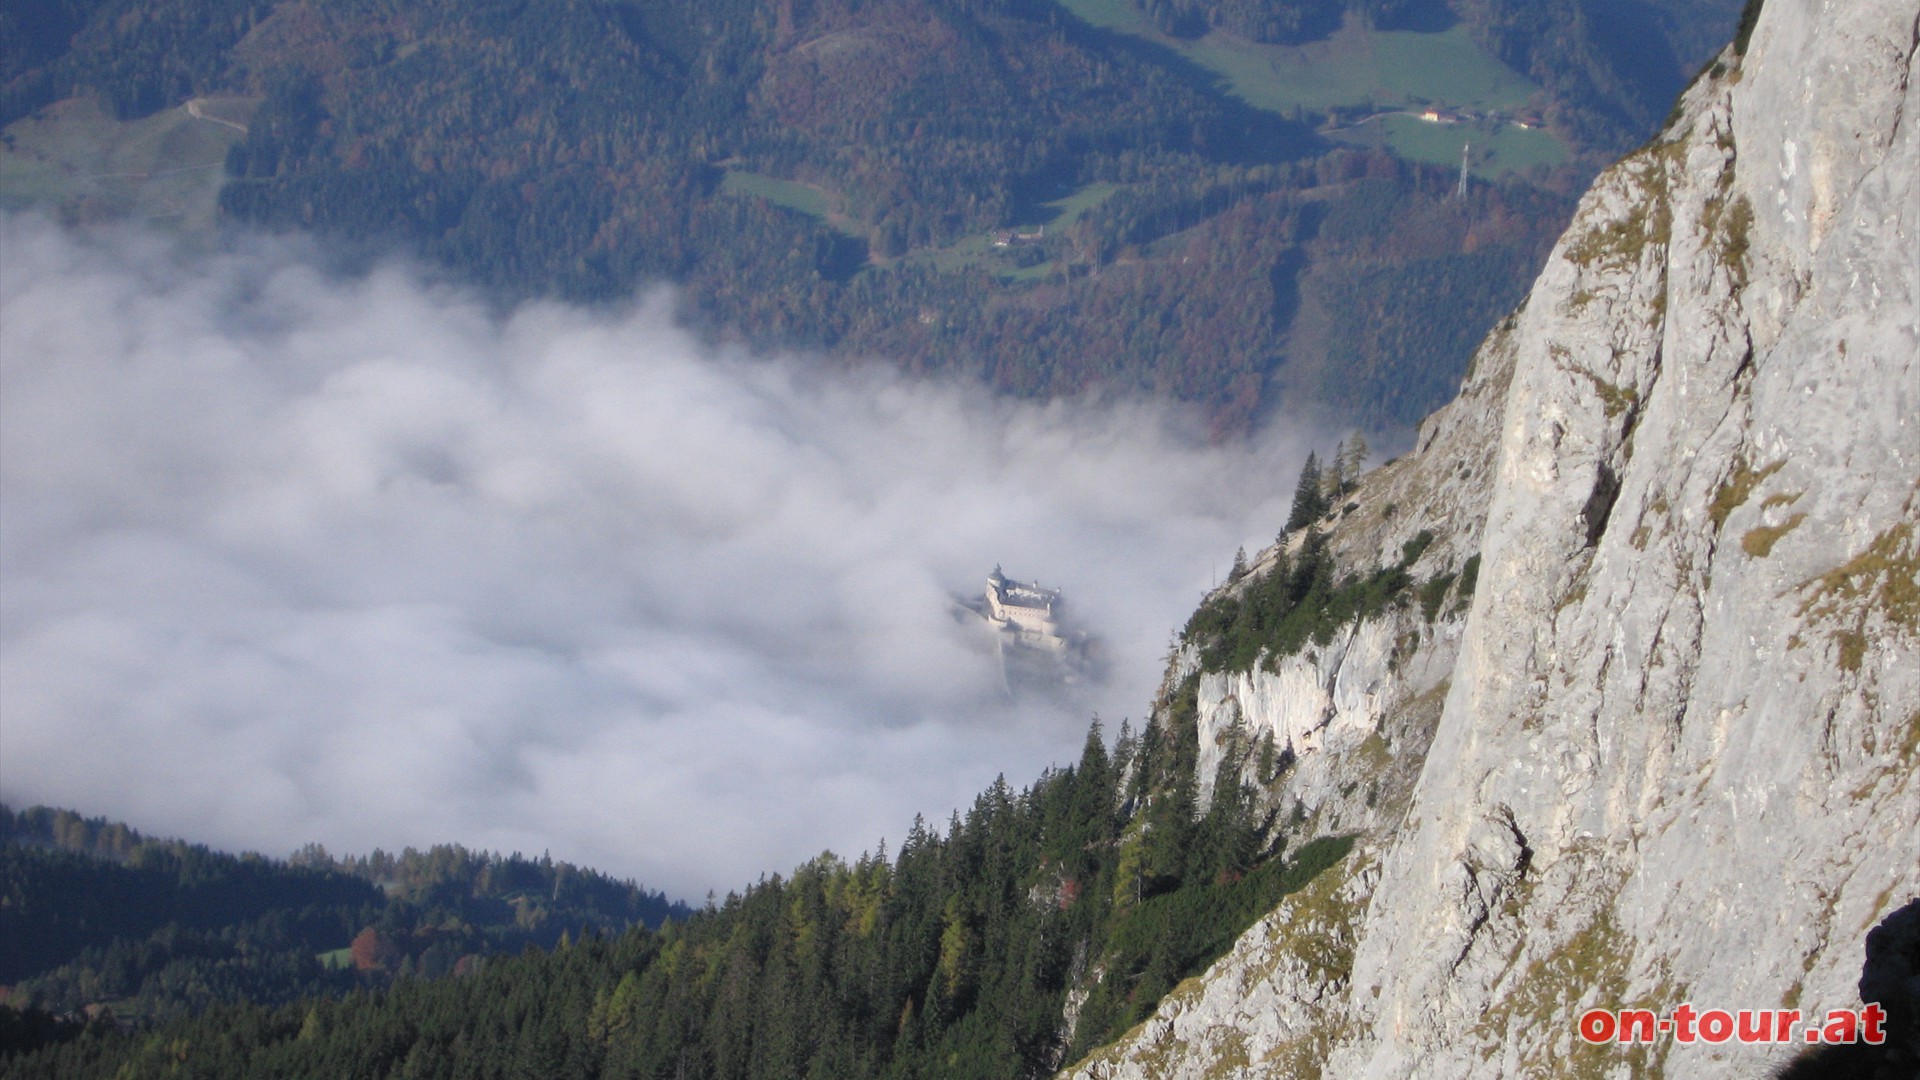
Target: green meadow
x,y
980,252
1069,209
1495,151
792,194
164,167
1359,68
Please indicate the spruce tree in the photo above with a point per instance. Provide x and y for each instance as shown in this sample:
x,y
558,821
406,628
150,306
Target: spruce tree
x,y
1308,503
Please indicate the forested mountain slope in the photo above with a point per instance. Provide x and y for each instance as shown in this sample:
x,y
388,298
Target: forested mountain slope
x,y
94,916
995,187
1089,894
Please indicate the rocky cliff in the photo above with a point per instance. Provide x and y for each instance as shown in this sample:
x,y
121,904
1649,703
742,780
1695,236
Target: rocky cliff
x,y
1666,750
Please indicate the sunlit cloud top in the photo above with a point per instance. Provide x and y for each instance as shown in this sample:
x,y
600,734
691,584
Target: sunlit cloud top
x,y
291,557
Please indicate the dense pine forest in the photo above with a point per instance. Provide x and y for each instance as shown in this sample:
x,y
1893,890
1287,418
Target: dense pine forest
x,y
953,957
998,188
97,919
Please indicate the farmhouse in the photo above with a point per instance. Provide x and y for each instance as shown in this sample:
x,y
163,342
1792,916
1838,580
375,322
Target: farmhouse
x,y
1016,237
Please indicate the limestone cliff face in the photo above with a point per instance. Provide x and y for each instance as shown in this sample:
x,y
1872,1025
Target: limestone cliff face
x,y
1681,726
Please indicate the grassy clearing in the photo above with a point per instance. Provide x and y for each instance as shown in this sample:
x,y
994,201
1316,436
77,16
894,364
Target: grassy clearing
x,y
165,167
1338,72
980,252
968,251
1118,15
1447,67
1036,272
792,194
1071,208
1496,152
1359,67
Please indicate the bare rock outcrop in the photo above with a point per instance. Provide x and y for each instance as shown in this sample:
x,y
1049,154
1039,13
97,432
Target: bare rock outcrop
x,y
1678,752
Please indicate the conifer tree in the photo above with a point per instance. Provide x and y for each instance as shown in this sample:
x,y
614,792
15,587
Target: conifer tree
x,y
1357,453
1308,503
1333,480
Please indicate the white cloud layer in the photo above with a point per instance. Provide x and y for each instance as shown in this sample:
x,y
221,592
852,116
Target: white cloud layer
x,y
286,557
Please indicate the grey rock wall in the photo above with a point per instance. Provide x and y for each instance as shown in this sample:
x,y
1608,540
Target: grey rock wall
x,y
1677,755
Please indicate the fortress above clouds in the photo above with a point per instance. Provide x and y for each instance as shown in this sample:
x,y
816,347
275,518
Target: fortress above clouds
x,y
1025,610
1035,640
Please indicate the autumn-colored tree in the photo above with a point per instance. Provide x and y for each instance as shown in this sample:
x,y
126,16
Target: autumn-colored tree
x,y
374,951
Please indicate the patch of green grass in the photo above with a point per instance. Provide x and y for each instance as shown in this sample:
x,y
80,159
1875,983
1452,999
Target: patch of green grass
x,y
979,251
1373,752
1882,581
1360,67
1037,272
1597,956
1496,150
335,959
1614,399
962,253
1619,241
1118,15
1573,596
1759,542
1070,208
73,157
1728,220
791,194
1737,488
1735,240
1341,72
1448,67
794,195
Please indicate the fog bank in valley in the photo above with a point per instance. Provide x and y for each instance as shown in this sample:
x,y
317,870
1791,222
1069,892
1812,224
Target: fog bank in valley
x,y
288,556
